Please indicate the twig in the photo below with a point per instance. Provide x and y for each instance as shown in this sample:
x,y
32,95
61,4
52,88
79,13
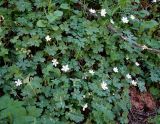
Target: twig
x,y
143,47
114,30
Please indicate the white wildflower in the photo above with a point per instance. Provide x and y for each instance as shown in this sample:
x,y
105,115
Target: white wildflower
x,y
132,17
103,12
125,38
89,94
48,38
93,11
104,86
154,1
134,83
128,76
127,58
111,20
65,68
55,62
85,106
115,69
18,82
137,64
91,72
125,20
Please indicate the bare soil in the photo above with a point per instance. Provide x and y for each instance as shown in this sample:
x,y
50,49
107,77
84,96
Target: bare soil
x,y
143,106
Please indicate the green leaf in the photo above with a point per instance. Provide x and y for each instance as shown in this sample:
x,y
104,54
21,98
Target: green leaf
x,y
33,111
108,115
14,40
3,52
64,27
57,72
51,50
137,1
58,13
11,108
155,91
149,24
75,116
36,83
24,120
39,57
123,3
155,75
23,5
142,13
1,30
54,16
41,23
64,6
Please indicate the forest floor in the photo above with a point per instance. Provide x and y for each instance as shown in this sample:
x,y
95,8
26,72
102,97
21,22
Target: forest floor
x,y
143,107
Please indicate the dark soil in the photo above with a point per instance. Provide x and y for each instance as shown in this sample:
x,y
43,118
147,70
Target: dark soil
x,y
143,106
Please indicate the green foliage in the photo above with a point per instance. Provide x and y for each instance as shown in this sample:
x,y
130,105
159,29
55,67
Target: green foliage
x,y
15,111
55,55
53,17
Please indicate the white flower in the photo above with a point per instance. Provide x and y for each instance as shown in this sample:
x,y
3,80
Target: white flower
x,y
137,64
65,68
103,12
48,38
55,62
125,38
92,11
104,86
134,83
91,72
89,94
154,1
127,58
111,20
128,76
115,69
132,17
85,106
125,20
18,82
84,96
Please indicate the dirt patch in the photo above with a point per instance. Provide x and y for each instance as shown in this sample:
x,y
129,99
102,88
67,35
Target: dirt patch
x,y
143,106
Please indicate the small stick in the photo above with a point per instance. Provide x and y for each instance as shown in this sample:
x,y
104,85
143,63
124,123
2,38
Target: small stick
x,y
112,29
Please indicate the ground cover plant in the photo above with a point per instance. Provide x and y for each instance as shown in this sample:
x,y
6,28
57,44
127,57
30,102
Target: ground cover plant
x,y
78,61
